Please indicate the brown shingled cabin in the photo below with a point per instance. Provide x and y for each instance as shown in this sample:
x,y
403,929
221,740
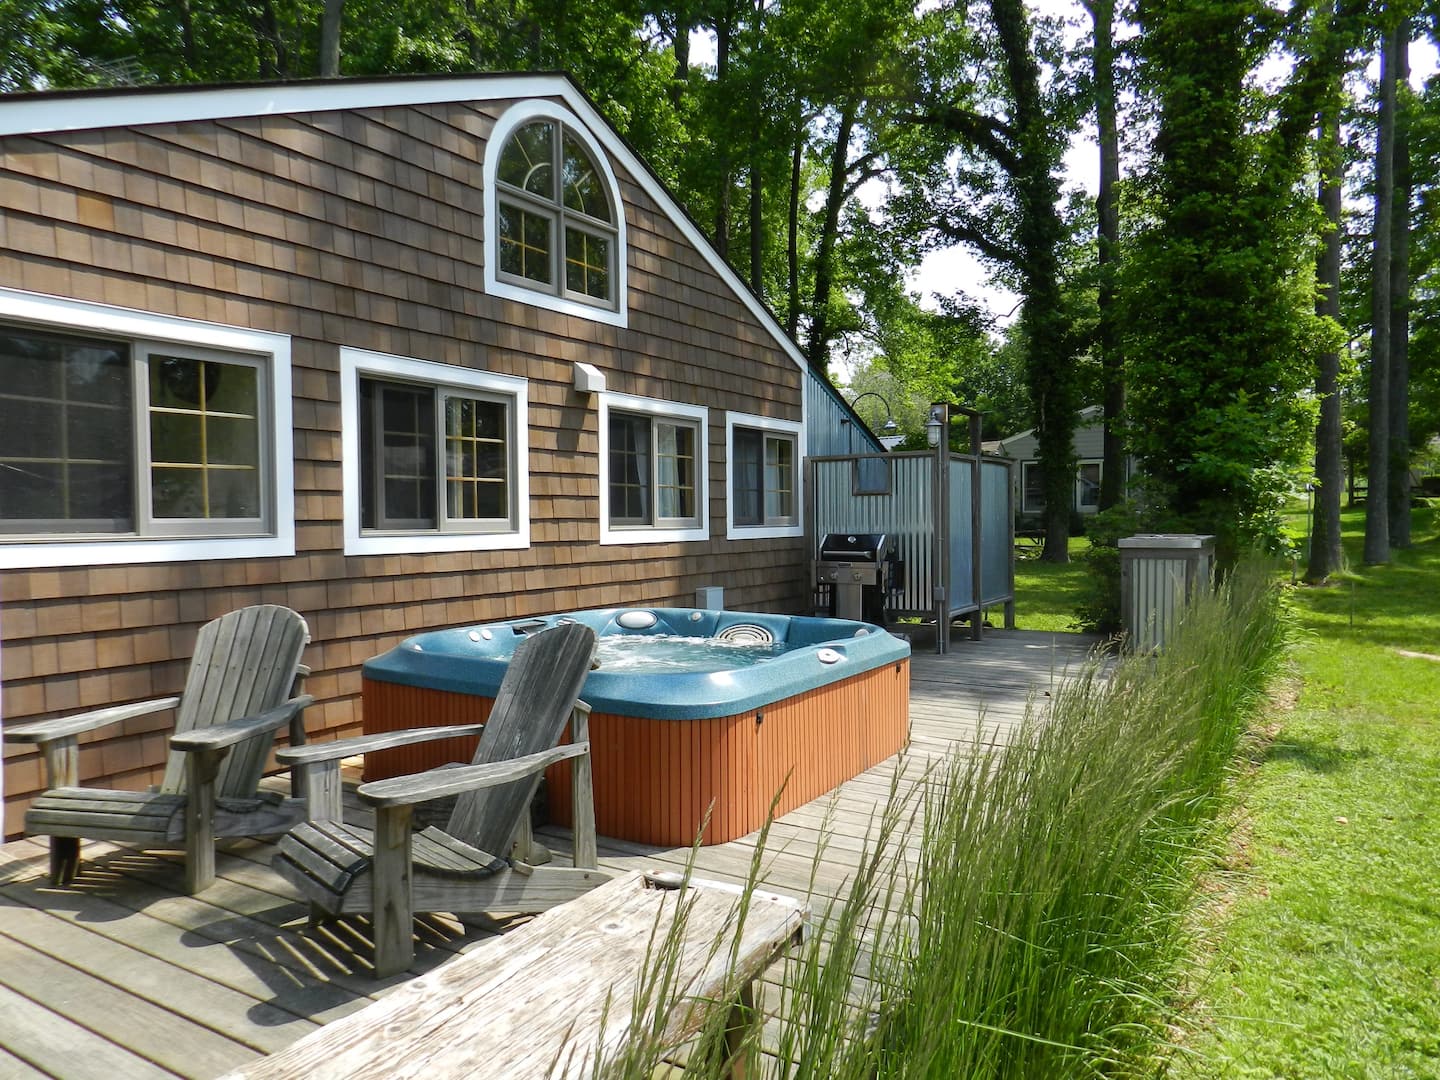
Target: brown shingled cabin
x,y
243,329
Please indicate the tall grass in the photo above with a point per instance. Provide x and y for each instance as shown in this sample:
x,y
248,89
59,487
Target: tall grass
x,y
1040,931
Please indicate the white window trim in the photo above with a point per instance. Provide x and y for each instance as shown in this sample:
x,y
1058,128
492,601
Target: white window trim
x,y
357,362
641,534
57,313
1080,484
1025,467
515,117
780,427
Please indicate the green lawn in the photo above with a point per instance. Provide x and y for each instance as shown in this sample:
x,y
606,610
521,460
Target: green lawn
x,y
1326,927
1047,594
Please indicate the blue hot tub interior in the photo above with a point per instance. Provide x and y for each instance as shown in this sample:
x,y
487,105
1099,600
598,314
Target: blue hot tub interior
x,y
807,653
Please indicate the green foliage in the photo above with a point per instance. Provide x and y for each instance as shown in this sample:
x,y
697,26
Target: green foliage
x,y
1099,607
1219,287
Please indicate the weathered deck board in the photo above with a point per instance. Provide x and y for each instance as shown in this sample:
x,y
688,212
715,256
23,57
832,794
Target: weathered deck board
x,y
123,976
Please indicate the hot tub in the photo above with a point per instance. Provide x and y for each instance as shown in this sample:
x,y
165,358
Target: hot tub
x,y
818,702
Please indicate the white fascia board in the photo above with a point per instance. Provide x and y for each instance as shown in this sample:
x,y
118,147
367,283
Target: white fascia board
x,y
78,112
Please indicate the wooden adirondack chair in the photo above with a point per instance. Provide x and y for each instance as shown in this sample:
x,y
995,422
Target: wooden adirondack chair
x,y
472,865
237,695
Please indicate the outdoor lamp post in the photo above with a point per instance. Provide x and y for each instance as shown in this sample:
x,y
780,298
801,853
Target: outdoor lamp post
x,y
889,427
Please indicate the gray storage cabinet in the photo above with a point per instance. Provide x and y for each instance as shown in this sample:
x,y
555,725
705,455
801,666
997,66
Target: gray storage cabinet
x,y
1159,573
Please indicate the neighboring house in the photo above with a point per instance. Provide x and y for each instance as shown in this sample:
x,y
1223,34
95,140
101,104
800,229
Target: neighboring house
x,y
1089,444
399,354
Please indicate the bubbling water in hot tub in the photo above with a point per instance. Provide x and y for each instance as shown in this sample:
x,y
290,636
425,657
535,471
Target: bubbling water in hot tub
x,y
642,654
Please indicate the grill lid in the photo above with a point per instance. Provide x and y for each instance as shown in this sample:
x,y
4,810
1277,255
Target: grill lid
x,y
853,547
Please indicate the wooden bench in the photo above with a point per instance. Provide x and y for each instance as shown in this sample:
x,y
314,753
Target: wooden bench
x,y
531,1004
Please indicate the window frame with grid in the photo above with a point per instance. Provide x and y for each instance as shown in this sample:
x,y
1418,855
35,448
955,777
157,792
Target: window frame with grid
x,y
751,483
183,462
650,447
507,196
566,226
408,475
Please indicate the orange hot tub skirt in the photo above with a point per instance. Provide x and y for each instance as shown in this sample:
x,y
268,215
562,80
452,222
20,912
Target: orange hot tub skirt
x,y
654,779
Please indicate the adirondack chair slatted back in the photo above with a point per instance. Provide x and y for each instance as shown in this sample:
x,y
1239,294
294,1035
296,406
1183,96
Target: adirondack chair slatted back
x,y
531,709
244,663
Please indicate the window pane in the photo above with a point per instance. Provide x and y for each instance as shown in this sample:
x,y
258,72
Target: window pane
x,y
779,480
582,187
397,456
524,243
629,469
66,445
675,462
528,159
476,461
1032,498
747,477
587,264
1090,485
204,439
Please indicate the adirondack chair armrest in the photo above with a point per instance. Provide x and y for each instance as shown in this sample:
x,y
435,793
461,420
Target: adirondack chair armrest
x,y
228,734
452,780
315,753
43,731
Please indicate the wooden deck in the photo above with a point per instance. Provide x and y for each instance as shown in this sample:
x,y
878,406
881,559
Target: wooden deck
x,y
120,976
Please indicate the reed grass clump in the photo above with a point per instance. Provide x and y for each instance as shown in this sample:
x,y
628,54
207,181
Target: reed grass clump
x,y
1039,929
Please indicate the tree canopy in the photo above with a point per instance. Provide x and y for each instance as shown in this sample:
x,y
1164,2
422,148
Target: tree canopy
x,y
828,145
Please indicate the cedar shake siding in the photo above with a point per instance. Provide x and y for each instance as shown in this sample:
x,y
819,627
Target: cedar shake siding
x,y
363,229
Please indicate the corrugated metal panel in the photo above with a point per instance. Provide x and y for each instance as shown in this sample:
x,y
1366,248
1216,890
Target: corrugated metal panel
x,y
961,539
829,429
997,537
1156,597
904,514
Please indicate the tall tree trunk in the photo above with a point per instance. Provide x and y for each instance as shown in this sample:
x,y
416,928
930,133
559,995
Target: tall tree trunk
x,y
187,34
757,219
1325,551
330,38
1039,232
681,47
274,61
1107,205
723,29
818,345
1400,302
1377,498
792,235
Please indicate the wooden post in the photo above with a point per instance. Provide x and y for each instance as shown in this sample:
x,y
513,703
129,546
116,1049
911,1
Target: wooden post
x,y
737,1026
393,914
977,545
201,768
62,769
323,790
582,791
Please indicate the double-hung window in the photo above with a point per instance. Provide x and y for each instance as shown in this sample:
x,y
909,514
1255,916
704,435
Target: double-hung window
x,y
653,470
117,445
1032,488
1087,484
764,476
435,456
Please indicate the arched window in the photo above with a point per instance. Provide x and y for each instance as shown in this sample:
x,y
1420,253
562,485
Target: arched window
x,y
556,227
